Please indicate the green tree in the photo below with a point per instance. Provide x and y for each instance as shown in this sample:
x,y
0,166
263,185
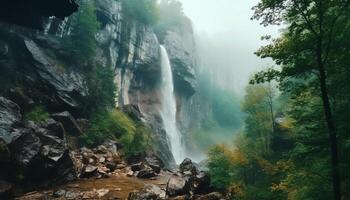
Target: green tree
x,y
145,11
82,39
306,49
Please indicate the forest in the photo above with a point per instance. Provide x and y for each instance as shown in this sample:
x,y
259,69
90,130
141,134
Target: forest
x,y
145,99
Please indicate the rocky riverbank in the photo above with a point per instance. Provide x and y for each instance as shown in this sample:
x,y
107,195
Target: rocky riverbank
x,y
103,174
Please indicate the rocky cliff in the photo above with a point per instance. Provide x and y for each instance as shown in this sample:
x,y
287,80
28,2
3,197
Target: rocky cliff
x,y
35,70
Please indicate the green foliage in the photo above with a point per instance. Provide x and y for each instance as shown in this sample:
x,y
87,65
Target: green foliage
x,y
135,138
102,89
108,125
137,143
171,17
145,11
37,114
220,166
82,39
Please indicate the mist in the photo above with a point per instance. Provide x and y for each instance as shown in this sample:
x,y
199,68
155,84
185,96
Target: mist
x,y
226,40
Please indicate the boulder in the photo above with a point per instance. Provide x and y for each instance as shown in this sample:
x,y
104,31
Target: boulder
x,y
55,128
146,173
133,111
142,196
177,186
89,171
68,122
200,184
155,163
137,166
188,167
6,190
10,117
150,192
111,166
211,196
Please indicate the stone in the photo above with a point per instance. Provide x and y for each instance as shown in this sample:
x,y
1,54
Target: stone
x,y
211,196
146,173
70,195
68,122
6,190
58,193
89,171
177,186
154,189
10,117
112,166
102,160
188,167
200,184
133,111
102,192
155,163
137,166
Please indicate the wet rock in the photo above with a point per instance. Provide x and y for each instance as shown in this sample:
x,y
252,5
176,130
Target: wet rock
x,y
55,128
133,111
137,166
58,193
112,166
4,49
71,195
149,192
68,122
146,173
177,186
154,189
154,162
188,167
180,46
200,184
10,117
6,190
211,196
89,171
142,196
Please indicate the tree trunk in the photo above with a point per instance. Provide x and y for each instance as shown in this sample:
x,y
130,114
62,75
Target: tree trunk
x,y
330,124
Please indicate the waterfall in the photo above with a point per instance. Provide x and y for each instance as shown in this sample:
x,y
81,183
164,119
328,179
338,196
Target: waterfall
x,y
168,112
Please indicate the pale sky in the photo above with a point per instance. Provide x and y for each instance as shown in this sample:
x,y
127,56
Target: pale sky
x,y
229,38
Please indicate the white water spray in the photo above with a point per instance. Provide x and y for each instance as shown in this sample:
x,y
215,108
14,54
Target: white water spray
x,y
168,112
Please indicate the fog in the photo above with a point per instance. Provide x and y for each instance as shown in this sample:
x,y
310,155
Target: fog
x,y
227,39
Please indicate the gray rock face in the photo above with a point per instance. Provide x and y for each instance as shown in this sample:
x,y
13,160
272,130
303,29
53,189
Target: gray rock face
x,y
41,63
10,117
177,186
42,78
35,148
181,49
68,122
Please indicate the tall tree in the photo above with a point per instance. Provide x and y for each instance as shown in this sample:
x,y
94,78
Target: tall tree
x,y
305,49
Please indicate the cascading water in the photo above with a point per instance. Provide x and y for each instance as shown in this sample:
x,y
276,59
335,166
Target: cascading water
x,y
168,112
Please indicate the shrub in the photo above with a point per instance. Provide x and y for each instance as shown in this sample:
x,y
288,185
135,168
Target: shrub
x,y
100,81
138,143
220,166
82,40
107,125
37,114
145,11
134,138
